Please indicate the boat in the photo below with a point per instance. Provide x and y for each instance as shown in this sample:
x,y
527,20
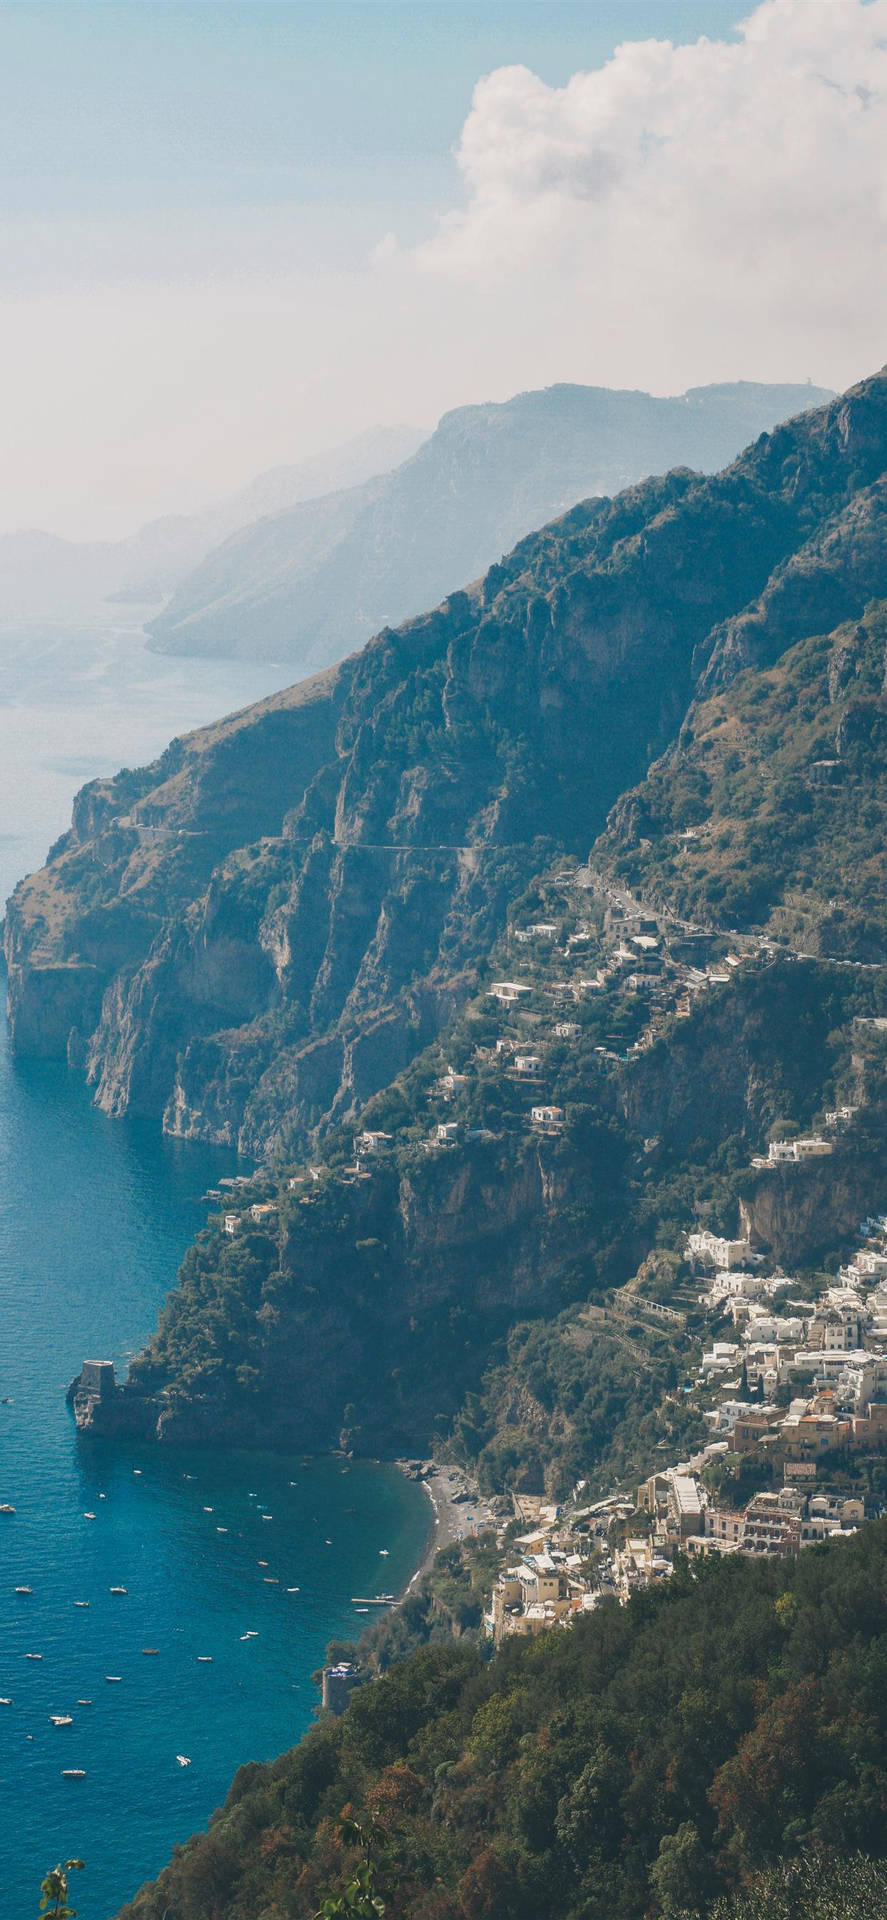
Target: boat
x,y
209,1509
204,1659
73,1773
270,1580
361,1609
221,1529
6,1508
261,1563
116,1589
267,1516
89,1516
81,1603
24,1589
5,1702
113,1679
183,1760
62,1719
384,1552
149,1649
84,1703
33,1656
294,1589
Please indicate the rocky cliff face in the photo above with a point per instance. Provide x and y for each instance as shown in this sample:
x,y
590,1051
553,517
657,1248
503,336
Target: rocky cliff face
x,y
246,937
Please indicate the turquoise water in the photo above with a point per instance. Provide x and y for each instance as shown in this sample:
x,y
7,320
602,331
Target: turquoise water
x,y
94,1218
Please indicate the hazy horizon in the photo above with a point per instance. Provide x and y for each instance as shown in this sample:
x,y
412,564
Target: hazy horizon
x,y
239,235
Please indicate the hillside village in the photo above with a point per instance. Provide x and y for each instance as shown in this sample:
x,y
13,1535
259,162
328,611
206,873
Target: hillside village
x,y
788,1378
796,1400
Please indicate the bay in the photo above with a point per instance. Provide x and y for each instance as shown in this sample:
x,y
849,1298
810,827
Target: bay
x,y
95,1216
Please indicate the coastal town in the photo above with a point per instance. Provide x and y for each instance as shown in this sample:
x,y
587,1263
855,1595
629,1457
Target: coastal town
x,y
787,1375
795,1399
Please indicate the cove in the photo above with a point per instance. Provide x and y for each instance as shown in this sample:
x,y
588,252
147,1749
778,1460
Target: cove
x,y
95,1216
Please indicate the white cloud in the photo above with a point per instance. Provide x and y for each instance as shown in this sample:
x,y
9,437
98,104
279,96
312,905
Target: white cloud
x,y
714,207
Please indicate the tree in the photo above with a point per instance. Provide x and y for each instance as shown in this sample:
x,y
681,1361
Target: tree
x,y
680,1875
54,1892
360,1895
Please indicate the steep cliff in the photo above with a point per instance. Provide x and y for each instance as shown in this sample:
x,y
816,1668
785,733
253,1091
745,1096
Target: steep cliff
x,y
284,909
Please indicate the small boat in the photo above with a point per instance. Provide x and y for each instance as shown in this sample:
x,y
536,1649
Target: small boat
x,y
149,1649
294,1589
183,1759
204,1659
117,1589
361,1609
267,1516
209,1509
5,1702
113,1679
89,1516
33,1656
384,1552
270,1580
62,1719
221,1529
84,1703
261,1563
73,1773
6,1508
138,1472
327,1543
24,1589
81,1603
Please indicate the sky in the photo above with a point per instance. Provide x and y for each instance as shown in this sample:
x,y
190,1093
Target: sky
x,y
237,234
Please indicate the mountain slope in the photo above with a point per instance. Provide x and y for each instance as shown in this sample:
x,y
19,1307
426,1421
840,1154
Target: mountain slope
x,y
636,1765
252,934
42,575
309,585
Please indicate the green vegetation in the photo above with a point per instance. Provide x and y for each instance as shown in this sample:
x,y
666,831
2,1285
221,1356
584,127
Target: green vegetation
x,y
779,781
54,1903
649,1761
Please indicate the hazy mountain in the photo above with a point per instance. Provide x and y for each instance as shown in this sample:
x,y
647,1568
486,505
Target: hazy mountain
x,y
43,576
309,584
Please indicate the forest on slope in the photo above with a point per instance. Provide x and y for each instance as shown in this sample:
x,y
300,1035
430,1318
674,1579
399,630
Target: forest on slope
x,y
648,1762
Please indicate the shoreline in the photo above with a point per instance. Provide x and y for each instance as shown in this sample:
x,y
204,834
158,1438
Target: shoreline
x,y
456,1507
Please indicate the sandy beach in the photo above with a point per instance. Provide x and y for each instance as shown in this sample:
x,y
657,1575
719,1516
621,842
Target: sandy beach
x,y
457,1506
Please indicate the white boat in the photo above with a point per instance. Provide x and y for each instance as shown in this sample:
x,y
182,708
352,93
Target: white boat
x,y
116,1589
183,1760
4,1702
149,1649
84,1703
73,1773
294,1589
33,1656
81,1603
24,1589
62,1719
221,1529
113,1679
205,1659
89,1516
6,1508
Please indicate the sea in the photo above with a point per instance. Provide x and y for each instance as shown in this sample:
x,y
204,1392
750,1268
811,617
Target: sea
x,y
237,1568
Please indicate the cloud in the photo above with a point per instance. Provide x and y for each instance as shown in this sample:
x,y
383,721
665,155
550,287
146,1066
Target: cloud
x,y
725,200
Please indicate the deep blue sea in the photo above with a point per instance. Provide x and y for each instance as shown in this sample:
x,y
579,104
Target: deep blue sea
x,y
211,1547
94,1218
